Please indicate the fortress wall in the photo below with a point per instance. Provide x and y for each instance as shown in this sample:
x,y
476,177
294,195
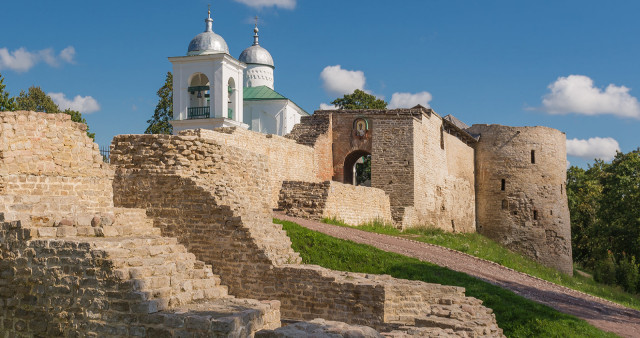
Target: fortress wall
x,y
50,169
354,205
344,143
530,214
316,131
202,192
286,160
444,190
392,160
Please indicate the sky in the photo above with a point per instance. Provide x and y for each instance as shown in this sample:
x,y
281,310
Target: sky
x,y
569,65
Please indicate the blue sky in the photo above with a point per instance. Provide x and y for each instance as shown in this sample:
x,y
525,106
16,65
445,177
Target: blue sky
x,y
570,65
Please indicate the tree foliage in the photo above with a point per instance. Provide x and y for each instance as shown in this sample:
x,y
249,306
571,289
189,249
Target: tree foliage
x,y
159,122
7,103
604,202
359,100
35,99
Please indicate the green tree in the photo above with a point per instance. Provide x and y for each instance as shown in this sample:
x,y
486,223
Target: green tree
x,y
7,103
159,122
359,100
584,191
619,206
35,99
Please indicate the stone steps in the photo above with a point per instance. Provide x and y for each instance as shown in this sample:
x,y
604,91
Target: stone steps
x,y
159,270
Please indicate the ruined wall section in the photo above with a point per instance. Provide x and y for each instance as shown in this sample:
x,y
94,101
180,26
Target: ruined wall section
x,y
316,131
354,205
286,159
444,194
189,172
49,168
520,187
195,188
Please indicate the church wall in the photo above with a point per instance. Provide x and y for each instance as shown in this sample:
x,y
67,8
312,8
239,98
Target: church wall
x,y
523,205
444,190
50,169
286,159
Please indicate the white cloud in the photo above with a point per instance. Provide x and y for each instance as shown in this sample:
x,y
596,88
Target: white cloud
x,y
68,54
286,4
577,94
595,147
338,81
409,100
324,106
21,60
83,104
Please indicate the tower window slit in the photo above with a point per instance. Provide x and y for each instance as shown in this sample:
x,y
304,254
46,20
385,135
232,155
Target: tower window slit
x,y
535,215
533,157
503,184
505,204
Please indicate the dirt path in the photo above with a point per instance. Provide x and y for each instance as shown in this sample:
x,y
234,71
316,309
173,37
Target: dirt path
x,y
606,315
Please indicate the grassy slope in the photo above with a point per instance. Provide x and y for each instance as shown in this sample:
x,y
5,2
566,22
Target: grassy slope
x,y
517,316
480,246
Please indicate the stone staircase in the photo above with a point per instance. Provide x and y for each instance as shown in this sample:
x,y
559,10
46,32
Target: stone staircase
x,y
151,284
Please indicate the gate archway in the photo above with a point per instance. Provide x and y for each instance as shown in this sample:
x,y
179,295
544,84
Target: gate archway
x,y
350,171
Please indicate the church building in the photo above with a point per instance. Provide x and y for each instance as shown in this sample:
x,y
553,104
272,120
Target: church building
x,y
213,89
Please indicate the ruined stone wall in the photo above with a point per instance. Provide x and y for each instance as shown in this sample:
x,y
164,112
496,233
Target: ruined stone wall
x,y
528,212
286,160
316,131
96,286
195,188
49,168
354,205
443,182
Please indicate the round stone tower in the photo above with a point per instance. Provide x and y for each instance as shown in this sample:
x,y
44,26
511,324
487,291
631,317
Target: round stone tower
x,y
520,191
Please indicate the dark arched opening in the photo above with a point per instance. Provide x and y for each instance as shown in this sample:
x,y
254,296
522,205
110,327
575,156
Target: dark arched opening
x,y
357,168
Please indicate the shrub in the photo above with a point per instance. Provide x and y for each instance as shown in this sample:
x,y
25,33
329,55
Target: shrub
x,y
605,270
627,273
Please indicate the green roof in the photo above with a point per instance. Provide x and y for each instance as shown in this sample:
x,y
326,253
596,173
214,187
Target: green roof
x,y
261,93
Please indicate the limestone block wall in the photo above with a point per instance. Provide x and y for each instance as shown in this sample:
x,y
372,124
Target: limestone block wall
x,y
520,187
444,193
316,131
354,205
286,160
49,168
194,189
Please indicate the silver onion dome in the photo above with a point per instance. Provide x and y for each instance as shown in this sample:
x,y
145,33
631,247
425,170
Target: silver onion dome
x,y
256,54
207,42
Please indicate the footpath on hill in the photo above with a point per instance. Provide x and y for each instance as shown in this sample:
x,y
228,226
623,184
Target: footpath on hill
x,y
601,313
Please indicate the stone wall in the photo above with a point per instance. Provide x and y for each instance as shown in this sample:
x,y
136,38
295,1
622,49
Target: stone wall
x,y
427,172
195,189
49,168
354,205
444,194
68,285
286,160
316,131
522,202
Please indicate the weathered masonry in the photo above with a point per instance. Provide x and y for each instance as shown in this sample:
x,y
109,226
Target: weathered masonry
x,y
164,242
504,182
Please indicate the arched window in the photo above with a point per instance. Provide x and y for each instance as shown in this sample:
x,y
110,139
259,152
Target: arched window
x,y
199,97
231,98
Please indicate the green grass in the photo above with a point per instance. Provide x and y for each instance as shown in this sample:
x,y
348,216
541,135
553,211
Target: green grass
x,y
480,246
517,316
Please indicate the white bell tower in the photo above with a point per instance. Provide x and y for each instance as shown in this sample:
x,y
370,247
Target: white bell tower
x,y
207,84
